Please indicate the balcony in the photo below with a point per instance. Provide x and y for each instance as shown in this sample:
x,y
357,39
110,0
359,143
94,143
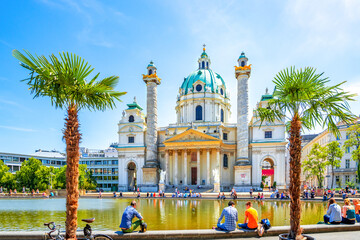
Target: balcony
x,y
345,170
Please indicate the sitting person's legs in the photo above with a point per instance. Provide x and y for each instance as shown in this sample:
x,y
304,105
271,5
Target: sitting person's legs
x,y
347,221
134,225
326,218
222,226
245,226
357,217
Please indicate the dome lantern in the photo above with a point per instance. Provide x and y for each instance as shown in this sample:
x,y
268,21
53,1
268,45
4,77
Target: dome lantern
x,y
204,60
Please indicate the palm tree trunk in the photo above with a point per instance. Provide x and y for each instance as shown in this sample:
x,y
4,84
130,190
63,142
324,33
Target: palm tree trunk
x,y
72,138
295,171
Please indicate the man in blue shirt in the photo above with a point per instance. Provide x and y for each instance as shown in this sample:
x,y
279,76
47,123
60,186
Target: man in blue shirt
x,y
127,225
231,217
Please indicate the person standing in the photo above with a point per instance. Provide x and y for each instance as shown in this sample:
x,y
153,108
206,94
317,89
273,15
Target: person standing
x,y
251,218
333,214
127,226
231,217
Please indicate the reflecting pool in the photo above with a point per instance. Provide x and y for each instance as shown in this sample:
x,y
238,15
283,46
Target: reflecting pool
x,y
160,214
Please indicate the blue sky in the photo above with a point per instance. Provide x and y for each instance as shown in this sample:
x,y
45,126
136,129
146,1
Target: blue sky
x,y
121,37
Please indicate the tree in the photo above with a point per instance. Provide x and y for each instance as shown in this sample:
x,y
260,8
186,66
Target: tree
x,y
353,141
302,97
3,170
63,79
33,174
316,163
334,155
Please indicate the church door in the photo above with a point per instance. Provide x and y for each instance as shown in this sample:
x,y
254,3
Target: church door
x,y
193,176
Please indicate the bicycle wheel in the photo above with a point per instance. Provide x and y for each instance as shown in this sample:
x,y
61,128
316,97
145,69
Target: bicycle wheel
x,y
102,237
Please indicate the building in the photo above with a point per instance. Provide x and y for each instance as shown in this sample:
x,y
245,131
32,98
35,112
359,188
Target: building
x,y
103,163
347,170
202,147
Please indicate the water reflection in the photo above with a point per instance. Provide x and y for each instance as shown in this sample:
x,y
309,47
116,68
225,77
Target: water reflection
x,y
160,214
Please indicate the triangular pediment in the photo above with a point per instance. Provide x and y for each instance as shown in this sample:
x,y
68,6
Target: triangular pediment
x,y
192,135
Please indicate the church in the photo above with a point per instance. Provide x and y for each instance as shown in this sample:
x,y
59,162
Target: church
x,y
202,148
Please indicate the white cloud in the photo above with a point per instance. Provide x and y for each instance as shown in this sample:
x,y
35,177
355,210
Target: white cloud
x,y
17,129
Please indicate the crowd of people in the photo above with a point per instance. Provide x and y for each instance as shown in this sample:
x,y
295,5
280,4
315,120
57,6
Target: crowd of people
x,y
32,193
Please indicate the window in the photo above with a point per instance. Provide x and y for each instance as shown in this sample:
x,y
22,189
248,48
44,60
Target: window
x,y
242,63
198,113
222,115
347,136
221,91
225,136
347,150
150,71
207,64
347,178
347,163
225,162
131,118
268,134
198,87
337,179
131,139
202,64
338,137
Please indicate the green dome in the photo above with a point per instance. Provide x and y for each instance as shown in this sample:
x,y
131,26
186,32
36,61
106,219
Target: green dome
x,y
211,79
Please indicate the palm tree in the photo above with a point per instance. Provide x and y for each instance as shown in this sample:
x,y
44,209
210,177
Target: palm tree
x,y
63,79
302,97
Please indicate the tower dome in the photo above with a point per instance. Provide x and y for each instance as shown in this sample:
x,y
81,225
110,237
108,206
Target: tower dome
x,y
204,79
203,95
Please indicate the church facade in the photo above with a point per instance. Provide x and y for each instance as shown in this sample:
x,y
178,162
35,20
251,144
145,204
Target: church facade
x,y
202,148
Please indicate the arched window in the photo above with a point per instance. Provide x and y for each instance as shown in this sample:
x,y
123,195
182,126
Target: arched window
x,y
225,161
207,65
222,115
198,87
131,118
150,71
198,112
202,64
242,63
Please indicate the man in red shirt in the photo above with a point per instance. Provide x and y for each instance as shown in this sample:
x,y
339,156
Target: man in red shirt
x,y
251,218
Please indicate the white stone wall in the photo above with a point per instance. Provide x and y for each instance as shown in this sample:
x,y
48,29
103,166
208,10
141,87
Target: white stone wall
x,y
125,157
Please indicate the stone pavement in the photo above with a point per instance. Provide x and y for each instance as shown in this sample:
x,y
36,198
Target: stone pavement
x,y
322,236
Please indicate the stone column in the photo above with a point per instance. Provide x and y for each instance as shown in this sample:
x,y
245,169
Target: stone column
x,y
242,77
151,132
167,168
208,168
176,167
185,167
198,168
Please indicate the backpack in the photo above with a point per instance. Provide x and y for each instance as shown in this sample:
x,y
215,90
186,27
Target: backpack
x,y
266,223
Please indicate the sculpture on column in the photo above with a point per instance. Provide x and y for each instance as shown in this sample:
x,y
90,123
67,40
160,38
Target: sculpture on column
x,y
162,176
216,176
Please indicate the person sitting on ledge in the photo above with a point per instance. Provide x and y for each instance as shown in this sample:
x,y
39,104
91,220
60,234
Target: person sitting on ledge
x,y
357,209
114,194
231,217
219,196
127,226
120,195
333,214
348,213
251,218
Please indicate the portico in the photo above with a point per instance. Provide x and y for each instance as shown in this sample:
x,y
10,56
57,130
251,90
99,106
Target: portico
x,y
190,157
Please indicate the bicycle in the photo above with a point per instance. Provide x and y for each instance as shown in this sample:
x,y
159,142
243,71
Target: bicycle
x,y
87,231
